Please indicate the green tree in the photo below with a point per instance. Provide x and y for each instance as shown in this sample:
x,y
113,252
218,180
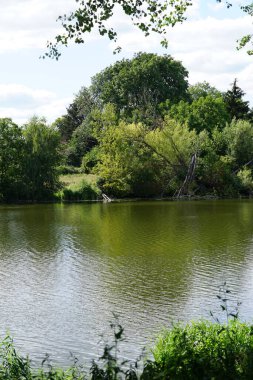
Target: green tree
x,y
202,90
77,112
41,159
204,113
236,106
11,160
214,172
81,142
125,165
132,160
137,86
238,139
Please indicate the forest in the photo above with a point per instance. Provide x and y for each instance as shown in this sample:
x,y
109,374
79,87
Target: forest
x,y
139,130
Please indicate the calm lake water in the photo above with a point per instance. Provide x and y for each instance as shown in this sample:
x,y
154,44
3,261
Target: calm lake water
x,y
65,268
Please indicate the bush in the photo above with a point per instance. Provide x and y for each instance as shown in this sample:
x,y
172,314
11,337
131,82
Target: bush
x,y
199,351
246,182
68,169
205,350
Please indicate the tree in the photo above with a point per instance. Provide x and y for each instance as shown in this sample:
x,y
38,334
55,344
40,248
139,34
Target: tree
x,y
41,159
238,139
132,160
236,106
136,87
77,112
148,15
204,113
81,142
202,90
11,160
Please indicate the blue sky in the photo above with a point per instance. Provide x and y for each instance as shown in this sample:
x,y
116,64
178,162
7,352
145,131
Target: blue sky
x,y
205,43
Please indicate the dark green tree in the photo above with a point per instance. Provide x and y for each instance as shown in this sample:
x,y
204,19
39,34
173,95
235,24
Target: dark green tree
x,y
77,112
81,142
136,87
236,106
41,159
11,160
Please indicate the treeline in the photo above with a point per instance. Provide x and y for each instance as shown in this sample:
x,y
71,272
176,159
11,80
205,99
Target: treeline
x,y
144,132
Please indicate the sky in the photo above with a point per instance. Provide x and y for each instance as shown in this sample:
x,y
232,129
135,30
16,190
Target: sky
x,y
205,44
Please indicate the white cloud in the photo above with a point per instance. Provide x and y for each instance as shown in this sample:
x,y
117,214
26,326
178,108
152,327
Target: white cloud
x,y
21,102
207,47
29,23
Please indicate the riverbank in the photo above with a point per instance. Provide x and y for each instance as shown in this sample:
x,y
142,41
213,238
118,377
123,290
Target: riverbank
x,y
200,350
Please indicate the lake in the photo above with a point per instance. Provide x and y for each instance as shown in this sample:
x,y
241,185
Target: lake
x,y
65,268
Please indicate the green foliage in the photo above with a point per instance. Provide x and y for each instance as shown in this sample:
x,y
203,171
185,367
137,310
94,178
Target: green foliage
x,y
77,113
42,157
236,106
238,139
124,162
204,113
202,90
80,192
149,16
68,169
136,87
11,160
246,180
132,160
81,142
205,350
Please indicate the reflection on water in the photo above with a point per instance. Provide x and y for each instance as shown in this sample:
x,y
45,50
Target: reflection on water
x,y
65,268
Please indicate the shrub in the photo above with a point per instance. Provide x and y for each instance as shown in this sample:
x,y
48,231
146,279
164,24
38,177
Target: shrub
x,y
68,169
245,177
205,350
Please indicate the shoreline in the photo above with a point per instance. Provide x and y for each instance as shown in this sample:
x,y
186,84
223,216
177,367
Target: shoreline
x,y
184,198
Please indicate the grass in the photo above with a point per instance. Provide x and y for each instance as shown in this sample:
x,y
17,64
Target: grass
x,y
76,179
78,187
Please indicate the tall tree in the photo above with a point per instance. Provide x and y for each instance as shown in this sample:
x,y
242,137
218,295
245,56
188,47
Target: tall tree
x,y
137,86
77,112
42,157
236,106
11,160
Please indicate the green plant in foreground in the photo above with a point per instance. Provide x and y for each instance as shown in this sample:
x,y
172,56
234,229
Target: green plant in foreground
x,y
199,350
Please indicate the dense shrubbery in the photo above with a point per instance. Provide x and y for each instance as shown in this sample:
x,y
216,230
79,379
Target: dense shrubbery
x,y
205,350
